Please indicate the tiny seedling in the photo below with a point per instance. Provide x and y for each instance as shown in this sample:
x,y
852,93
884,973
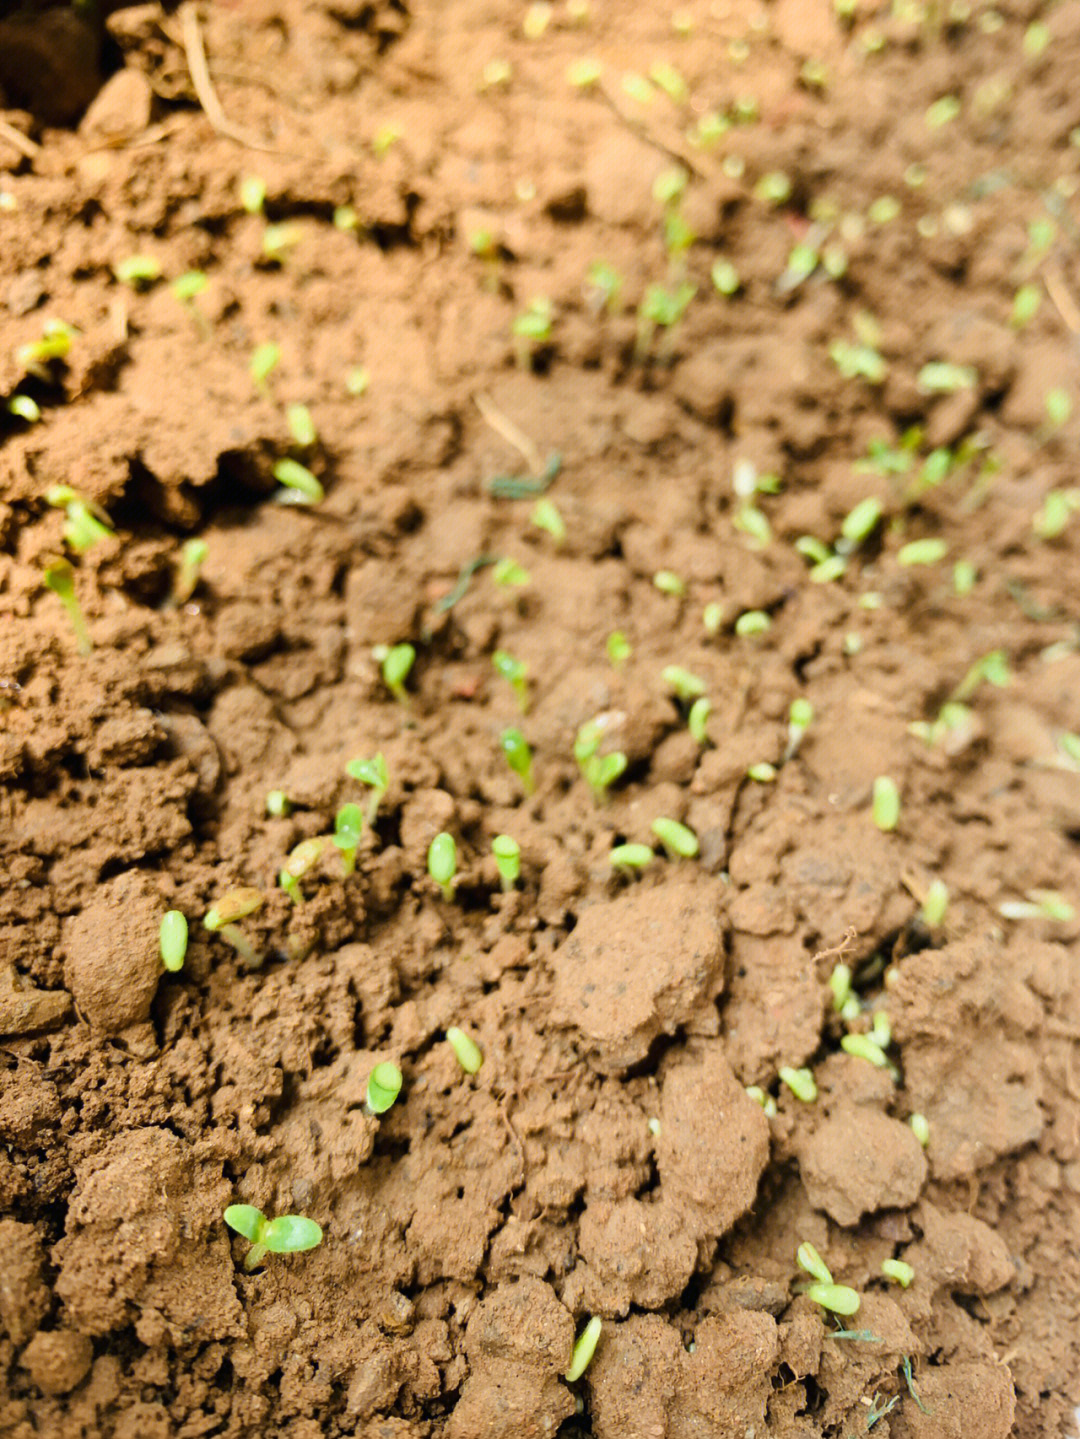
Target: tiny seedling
x,y
253,194
801,1082
859,524
920,1127
83,529
278,804
299,485
24,408
712,618
515,672
865,1046
397,661
600,771
752,623
38,355
264,362
545,516
188,286
759,1096
348,829
899,1272
138,271
288,1234
300,860
885,808
631,857
222,916
279,240
905,1365
442,862
942,378
301,426
678,840
858,362
800,718
511,575
357,381
935,904
518,756
531,329
698,718
661,308
840,985
374,774
725,278
618,648
60,578
1039,904
193,553
466,1050
683,684
1055,513
383,1088
879,1408
173,940
603,288
922,552
669,583
584,1349
808,1258
507,854
762,773
836,1298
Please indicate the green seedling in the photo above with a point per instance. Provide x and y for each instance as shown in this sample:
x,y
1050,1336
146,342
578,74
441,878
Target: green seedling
x,y
618,648
345,219
518,756
222,916
1039,904
193,552
442,863
545,516
678,840
466,1050
899,1272
964,577
759,1096
751,623
397,662
712,618
531,330
807,1258
725,278
801,1082
515,672
24,408
1025,306
584,1349
278,804
301,426
348,829
384,140
383,1088
881,1031
264,361
508,573
669,583
357,381
800,718
942,112
697,720
584,72
859,524
840,985
60,578
253,194
920,1127
762,773
830,569
138,271
373,773
188,286
300,486
630,857
173,940
813,549
879,1408
600,771
774,188
992,667
1055,513
922,552
905,1365
836,1298
858,362
82,528
496,74
288,1234
1058,408
885,809
662,309
38,355
300,860
507,854
935,904
683,684
603,288
278,240
864,1046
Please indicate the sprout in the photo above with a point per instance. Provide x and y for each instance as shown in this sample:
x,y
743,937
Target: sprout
x,y
348,828
301,426
1039,904
630,857
942,378
60,578
942,111
1057,509
899,1272
885,810
138,271
752,622
397,661
964,576
1025,306
936,904
192,554
600,771
495,74
858,362
278,804
300,860
669,583
288,1234
840,985
278,240
384,139
836,1298
830,569
253,194
24,408
466,1050
679,841
301,486
83,529
442,862
725,277
685,685
234,904
264,360
383,1088
1058,407
861,522
670,81
864,1046
188,285
881,1031
357,381
618,648
713,617
545,516
800,717
518,756
774,188
661,307
508,573
374,774
173,940
345,219
507,854
920,1127
922,552
808,1258
762,773
759,1096
992,667
514,672
584,1349
38,355
531,328
584,72
698,718
801,1083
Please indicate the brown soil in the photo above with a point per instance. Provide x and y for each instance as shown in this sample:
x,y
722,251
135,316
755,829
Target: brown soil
x,y
606,1159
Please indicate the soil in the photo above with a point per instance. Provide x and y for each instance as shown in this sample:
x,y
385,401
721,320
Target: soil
x,y
438,172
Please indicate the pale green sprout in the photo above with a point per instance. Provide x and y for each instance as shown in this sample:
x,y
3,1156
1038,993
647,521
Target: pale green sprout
x,y
670,81
300,860
858,524
801,1082
751,521
545,516
466,1050
1058,407
584,72
511,575
518,756
83,529
604,287
38,355
300,486
813,549
864,1046
278,240
188,286
858,362
807,1258
751,623
173,940
920,1127
60,578
253,194
600,771
221,918
725,278
1025,306
23,407
884,210
345,219
618,648
836,1298
384,139
373,773
661,307
759,1096
885,808
992,667
935,904
288,1234
531,328
264,361
942,112
774,188
638,88
193,553
301,426
630,857
713,618
669,185
348,828
698,718
357,381
278,805
669,583
515,672
829,570
899,1272
922,552
939,377
383,1087
762,772
507,854
584,1349
800,717
678,839
496,74
138,271
1039,904
683,683
1055,513
396,663
1036,39
840,985
964,576
881,1031
442,863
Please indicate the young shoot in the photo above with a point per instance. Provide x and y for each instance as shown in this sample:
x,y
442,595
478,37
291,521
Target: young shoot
x,y
618,648
348,828
466,1050
288,1234
1039,904
808,1258
518,756
507,854
800,717
278,804
760,1096
24,408
509,574
301,426
801,1082
864,1046
600,771
515,672
859,524
222,916
60,578
264,362
762,773
278,240
442,863
173,940
712,618
253,194
683,684
836,1298
397,661
922,552
935,904
531,330
840,985
628,858
885,809
899,1272
138,271
300,860
661,308
920,1127
669,583
698,718
383,1088
193,553
545,516
38,355
299,485
374,774
584,1349
752,623
678,840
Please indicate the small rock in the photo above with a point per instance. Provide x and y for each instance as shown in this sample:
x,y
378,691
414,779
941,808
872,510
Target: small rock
x,y
23,1008
860,1161
121,109
57,1360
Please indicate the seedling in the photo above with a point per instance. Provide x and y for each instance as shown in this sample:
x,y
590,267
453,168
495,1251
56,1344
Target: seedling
x,y
713,618
1055,513
514,672
24,408
858,524
396,663
301,426
508,573
584,1349
840,986
630,857
885,809
466,1050
922,552
518,756
864,1046
618,648
684,685
288,1234
680,841
836,1298
899,1272
669,583
600,771
442,863
221,918
173,940
964,577
374,774
584,73
881,1032
278,804
698,718
800,717
992,667
1025,306
661,308
920,1127
357,381
300,486
278,240
192,554
383,1088
858,362
603,288
264,362
300,860
345,219
801,1083
38,355
348,829
762,773
253,194
671,82
1039,904
83,529
186,288
384,139
759,1096
725,278
942,378
138,271
507,854
545,516
60,578
531,329
808,1258
751,623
